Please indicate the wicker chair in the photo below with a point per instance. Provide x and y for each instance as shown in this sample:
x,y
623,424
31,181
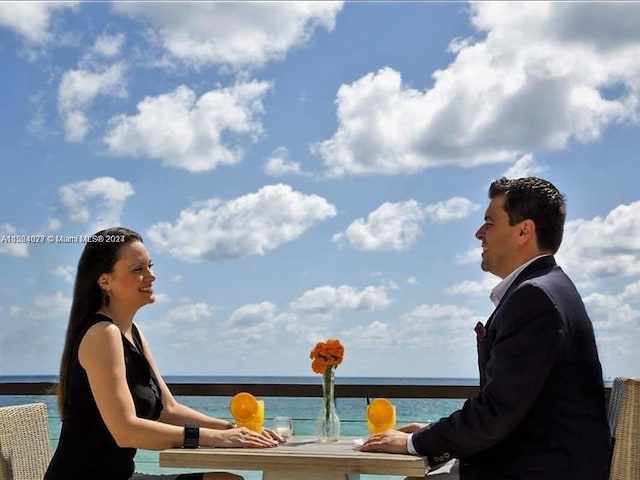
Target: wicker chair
x,y
624,420
25,445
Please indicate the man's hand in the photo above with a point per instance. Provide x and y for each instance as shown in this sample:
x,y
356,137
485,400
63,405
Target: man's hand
x,y
412,427
391,441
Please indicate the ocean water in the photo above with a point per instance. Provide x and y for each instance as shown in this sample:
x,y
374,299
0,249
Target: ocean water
x,y
303,410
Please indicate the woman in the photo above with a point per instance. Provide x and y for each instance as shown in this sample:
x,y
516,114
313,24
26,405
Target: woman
x,y
111,397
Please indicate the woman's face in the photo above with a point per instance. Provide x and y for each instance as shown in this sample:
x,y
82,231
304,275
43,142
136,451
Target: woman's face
x,y
131,281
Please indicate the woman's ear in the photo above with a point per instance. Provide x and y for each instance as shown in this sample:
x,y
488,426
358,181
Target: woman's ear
x,y
104,282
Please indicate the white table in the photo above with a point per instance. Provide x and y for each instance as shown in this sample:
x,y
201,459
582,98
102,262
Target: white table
x,y
299,458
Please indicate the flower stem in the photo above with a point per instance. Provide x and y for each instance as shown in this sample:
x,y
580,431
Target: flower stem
x,y
327,379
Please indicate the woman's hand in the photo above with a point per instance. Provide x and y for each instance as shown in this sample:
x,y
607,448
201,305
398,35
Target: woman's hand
x,y
241,437
273,435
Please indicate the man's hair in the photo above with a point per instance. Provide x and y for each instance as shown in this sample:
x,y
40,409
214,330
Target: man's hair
x,y
534,199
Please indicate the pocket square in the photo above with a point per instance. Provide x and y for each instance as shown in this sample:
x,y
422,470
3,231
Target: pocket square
x,y
481,332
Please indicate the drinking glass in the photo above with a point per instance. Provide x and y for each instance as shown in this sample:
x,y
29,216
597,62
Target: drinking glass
x,y
381,415
247,411
283,426
256,422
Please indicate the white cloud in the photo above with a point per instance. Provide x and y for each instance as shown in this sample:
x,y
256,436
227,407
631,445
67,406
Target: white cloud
x,y
31,20
233,33
53,225
437,325
190,312
248,316
100,199
8,245
533,81
78,89
65,271
612,314
108,45
617,327
187,132
307,328
603,247
434,313
253,323
471,256
392,226
14,310
631,293
525,166
395,226
247,225
454,208
50,306
328,299
257,324
474,287
162,298
278,164
186,324
377,334
186,339
182,320
38,123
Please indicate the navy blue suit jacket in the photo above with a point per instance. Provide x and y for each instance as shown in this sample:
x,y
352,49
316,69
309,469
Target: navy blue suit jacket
x,y
541,412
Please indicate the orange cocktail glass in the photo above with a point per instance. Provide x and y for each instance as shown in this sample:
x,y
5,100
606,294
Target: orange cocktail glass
x,y
381,415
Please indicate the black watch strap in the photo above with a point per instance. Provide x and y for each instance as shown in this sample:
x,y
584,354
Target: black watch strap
x,y
191,436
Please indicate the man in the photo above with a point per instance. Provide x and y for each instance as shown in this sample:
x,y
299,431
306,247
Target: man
x,y
540,413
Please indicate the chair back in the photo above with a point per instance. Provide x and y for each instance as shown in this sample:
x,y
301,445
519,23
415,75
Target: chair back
x,y
25,444
624,421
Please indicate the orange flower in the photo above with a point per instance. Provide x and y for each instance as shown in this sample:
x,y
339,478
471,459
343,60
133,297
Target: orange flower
x,y
318,366
326,354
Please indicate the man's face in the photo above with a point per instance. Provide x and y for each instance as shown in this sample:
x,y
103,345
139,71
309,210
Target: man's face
x,y
499,240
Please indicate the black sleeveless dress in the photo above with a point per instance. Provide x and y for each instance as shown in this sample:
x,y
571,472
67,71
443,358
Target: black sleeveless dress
x,y
86,449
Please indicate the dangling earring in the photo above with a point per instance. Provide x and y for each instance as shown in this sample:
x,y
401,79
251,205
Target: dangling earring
x,y
106,299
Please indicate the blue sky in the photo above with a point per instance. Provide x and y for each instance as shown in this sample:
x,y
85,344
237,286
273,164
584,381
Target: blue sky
x,y
304,170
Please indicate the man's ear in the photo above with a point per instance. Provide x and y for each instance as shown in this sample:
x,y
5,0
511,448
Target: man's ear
x,y
528,229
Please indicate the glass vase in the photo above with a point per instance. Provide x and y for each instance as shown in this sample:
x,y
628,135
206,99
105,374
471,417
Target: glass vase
x,y
328,420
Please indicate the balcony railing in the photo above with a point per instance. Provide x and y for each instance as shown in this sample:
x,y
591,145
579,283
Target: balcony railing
x,y
282,390
277,390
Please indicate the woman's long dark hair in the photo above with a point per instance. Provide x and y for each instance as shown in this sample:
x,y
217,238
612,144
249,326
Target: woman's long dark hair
x,y
99,256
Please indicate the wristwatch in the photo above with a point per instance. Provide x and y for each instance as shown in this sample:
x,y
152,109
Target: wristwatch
x,y
191,435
